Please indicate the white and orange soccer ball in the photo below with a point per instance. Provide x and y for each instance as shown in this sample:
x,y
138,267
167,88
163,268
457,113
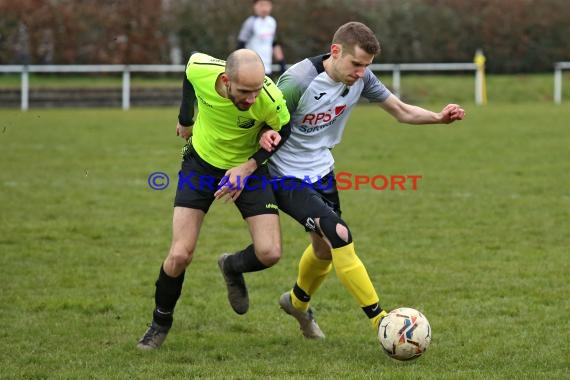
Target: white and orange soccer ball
x,y
404,334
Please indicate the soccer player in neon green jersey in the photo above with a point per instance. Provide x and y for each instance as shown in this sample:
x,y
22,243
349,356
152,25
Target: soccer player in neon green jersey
x,y
238,107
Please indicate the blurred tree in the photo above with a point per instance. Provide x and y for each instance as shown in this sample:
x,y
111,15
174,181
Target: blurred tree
x,y
208,26
516,35
72,31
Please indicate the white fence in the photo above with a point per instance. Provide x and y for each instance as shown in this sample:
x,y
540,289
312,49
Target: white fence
x,y
558,67
126,71
397,68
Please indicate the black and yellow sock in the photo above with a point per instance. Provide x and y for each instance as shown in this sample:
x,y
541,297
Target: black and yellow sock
x,y
353,275
312,272
375,313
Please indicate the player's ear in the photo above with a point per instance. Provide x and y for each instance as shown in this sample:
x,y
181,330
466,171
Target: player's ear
x,y
336,51
225,79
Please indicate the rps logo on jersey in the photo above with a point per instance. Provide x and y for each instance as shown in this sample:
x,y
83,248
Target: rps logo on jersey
x,y
323,117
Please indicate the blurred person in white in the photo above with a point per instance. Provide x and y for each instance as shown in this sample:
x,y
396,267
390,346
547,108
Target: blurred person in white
x,y
259,33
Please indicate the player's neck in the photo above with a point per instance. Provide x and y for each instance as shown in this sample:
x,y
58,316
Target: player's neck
x,y
221,88
327,64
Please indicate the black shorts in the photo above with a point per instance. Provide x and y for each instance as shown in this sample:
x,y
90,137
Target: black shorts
x,y
304,202
198,181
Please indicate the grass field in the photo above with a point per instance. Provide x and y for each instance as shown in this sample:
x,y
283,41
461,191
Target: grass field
x,y
481,247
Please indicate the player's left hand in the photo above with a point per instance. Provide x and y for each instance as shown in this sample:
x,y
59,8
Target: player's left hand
x,y
233,182
269,139
451,113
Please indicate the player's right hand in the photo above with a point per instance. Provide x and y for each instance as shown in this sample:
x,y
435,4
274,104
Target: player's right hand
x,y
451,113
184,132
269,139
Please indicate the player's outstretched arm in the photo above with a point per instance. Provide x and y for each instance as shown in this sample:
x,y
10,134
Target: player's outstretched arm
x,y
410,114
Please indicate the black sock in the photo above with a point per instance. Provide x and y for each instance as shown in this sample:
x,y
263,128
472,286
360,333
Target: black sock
x,y
372,311
244,261
168,290
300,294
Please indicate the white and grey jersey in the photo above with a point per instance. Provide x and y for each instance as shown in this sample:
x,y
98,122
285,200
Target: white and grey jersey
x,y
319,109
258,34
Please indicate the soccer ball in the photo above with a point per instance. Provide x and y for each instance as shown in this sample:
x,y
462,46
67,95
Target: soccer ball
x,y
404,334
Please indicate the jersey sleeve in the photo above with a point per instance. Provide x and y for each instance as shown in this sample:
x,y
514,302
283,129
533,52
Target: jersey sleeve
x,y
198,64
246,30
294,82
277,38
186,113
374,90
278,115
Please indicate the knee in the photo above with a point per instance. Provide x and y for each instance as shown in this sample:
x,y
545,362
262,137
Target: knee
x,y
269,256
180,256
343,233
335,230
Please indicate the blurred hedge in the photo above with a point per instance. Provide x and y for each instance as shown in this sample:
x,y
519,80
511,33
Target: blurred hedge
x,y
516,35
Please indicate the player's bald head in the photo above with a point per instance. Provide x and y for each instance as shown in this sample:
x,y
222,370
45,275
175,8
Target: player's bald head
x,y
244,78
245,64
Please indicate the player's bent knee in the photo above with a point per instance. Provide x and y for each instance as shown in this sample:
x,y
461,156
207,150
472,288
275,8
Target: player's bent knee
x,y
269,256
342,232
181,256
335,230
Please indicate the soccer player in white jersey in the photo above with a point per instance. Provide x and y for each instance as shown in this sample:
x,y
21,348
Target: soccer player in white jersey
x,y
259,33
321,92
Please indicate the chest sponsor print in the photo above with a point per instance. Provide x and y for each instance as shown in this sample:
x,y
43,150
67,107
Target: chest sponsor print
x,y
245,123
313,122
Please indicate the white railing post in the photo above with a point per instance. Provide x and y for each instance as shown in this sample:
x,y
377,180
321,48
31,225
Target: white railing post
x,y
478,87
558,79
396,80
25,89
126,88
557,84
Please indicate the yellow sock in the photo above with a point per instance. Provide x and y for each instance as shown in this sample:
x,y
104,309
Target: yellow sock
x,y
353,275
376,320
312,272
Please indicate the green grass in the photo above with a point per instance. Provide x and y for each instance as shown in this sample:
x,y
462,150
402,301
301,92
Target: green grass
x,y
481,247
522,88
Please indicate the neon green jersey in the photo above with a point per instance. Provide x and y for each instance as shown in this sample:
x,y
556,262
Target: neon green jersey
x,y
223,135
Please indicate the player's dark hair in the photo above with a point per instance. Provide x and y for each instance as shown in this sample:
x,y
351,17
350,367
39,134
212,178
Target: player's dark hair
x,y
354,34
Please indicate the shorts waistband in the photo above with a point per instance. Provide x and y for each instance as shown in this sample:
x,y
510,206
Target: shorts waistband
x,y
190,151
